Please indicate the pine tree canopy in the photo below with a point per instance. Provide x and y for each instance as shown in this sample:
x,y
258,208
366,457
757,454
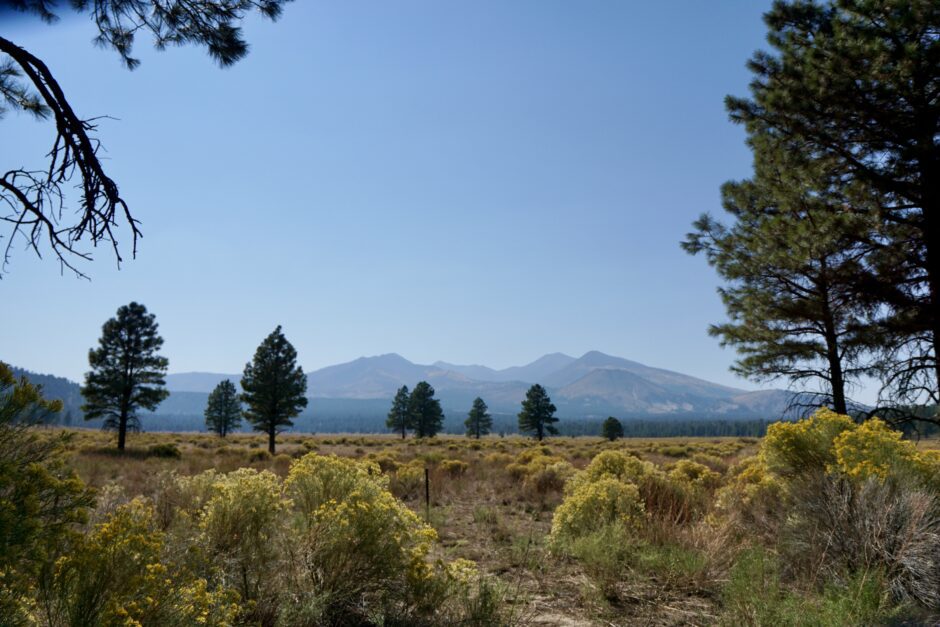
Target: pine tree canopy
x,y
126,373
427,418
795,262
399,416
853,84
478,421
612,429
538,414
27,84
274,387
223,409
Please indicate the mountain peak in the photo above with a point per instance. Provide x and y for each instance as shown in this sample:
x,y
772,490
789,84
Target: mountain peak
x,y
385,358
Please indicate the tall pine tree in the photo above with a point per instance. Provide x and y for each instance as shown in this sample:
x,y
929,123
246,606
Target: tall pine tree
x,y
399,416
274,387
427,418
127,374
538,414
854,82
223,410
794,260
478,421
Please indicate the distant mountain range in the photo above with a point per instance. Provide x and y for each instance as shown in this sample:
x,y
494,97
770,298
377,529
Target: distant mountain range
x,y
589,386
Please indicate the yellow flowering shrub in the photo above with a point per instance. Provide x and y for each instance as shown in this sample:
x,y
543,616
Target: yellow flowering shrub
x,y
613,464
454,467
408,479
531,461
498,459
874,450
327,545
777,492
353,539
795,448
832,443
117,575
595,505
315,479
550,478
462,571
694,474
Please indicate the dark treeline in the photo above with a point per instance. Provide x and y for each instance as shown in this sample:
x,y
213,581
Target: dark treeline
x,y
644,428
337,421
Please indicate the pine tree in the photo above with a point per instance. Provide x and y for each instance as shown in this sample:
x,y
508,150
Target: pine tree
x,y
399,417
538,413
274,387
612,429
427,418
223,410
478,422
126,373
44,503
794,260
854,82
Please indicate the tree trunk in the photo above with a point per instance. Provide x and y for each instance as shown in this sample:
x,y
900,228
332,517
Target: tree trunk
x,y
122,421
122,430
933,282
836,379
836,376
271,433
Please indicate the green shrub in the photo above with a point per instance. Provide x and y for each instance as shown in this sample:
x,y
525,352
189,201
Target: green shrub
x,y
605,554
41,501
259,456
166,450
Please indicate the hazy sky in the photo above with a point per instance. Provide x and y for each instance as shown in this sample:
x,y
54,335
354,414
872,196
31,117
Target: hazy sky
x,y
478,182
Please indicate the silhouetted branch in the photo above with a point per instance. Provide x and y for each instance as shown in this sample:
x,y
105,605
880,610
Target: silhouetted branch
x,y
36,198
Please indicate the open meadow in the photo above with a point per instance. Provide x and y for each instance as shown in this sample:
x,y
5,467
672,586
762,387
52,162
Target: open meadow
x,y
493,500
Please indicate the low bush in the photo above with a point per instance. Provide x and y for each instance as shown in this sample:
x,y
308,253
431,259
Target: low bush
x,y
596,505
839,500
121,574
259,456
454,467
408,479
327,545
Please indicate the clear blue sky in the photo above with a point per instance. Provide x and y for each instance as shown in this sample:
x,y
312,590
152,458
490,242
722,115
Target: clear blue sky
x,y
478,182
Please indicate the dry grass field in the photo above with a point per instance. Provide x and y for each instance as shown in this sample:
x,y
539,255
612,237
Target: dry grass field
x,y
822,522
491,501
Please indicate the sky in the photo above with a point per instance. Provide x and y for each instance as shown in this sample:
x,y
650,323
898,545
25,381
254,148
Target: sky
x,y
474,182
